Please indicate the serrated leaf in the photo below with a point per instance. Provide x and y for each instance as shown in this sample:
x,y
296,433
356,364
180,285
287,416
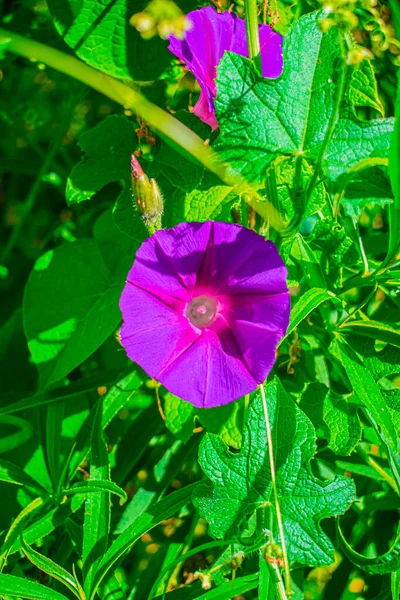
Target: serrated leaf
x,y
363,90
70,308
261,119
334,415
241,482
285,176
100,34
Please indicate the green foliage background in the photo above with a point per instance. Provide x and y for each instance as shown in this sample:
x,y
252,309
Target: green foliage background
x,y
111,487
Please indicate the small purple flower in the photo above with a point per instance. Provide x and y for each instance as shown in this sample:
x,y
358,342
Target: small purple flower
x,y
204,307
204,44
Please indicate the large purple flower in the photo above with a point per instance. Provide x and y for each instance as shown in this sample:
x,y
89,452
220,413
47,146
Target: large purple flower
x,y
204,44
204,307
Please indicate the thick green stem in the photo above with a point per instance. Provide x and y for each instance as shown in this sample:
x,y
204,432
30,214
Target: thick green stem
x,y
165,123
162,121
253,40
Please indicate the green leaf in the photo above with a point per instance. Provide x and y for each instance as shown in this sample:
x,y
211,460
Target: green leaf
x,y
108,147
365,187
51,568
334,415
70,308
226,420
292,112
394,175
337,250
203,203
164,509
179,417
115,399
363,90
16,587
241,482
367,390
380,565
100,34
17,527
377,330
99,485
304,307
13,474
96,525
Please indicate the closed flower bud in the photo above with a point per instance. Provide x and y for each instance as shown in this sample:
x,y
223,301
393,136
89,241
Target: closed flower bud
x,y
147,196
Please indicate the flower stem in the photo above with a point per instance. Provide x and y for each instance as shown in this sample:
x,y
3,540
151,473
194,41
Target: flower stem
x,y
274,489
253,40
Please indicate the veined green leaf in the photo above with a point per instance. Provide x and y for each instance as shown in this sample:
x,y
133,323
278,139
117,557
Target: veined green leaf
x,y
363,90
98,485
51,568
394,174
241,483
294,111
98,31
16,587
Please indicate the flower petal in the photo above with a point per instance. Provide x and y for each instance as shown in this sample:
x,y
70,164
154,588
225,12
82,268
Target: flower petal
x,y
167,263
258,325
271,52
210,373
152,334
210,35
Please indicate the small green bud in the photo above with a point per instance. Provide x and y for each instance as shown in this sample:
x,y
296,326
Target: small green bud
x,y
147,196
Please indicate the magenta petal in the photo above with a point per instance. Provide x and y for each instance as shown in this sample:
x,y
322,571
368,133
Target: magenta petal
x,y
209,373
210,35
271,52
152,334
168,262
258,324
204,308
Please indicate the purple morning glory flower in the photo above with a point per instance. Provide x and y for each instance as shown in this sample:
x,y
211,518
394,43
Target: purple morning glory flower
x,y
204,44
204,307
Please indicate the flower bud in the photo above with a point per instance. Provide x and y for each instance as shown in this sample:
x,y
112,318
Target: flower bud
x,y
147,196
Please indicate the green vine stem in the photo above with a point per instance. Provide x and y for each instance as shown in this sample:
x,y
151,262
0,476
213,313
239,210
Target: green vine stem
x,y
253,40
275,492
162,121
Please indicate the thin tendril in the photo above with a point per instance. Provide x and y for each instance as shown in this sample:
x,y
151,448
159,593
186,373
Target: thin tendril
x,y
273,479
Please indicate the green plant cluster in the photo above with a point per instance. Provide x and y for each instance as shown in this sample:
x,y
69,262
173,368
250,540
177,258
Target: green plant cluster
x,y
111,487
